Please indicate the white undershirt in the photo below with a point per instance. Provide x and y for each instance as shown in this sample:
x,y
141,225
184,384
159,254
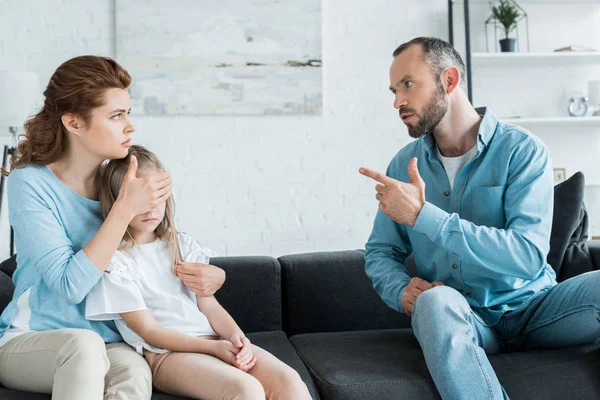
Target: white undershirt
x,y
453,165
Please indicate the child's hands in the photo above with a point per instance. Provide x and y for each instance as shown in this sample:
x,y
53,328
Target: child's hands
x,y
225,351
245,360
142,195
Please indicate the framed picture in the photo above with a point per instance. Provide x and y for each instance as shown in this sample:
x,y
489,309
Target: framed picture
x,y
560,174
227,57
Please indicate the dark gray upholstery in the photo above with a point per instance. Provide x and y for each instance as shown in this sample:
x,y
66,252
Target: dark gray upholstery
x,y
251,292
569,254
375,364
9,265
7,268
594,249
389,364
329,292
6,290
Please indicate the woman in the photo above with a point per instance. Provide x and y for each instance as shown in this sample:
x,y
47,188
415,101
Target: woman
x,y
64,245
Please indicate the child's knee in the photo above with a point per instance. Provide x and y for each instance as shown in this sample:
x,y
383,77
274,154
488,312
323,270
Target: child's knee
x,y
290,385
244,387
290,378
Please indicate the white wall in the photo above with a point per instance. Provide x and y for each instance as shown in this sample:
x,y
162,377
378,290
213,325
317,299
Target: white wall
x,y
258,185
262,185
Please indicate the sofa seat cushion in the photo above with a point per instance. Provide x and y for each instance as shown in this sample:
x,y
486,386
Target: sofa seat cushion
x,y
389,364
278,344
6,394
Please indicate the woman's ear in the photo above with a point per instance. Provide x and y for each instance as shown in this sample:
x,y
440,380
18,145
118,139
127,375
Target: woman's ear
x,y
72,123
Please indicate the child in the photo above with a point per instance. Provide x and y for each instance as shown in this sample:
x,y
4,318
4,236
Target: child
x,y
193,346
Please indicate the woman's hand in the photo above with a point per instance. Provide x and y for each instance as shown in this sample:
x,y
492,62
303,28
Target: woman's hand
x,y
202,279
142,195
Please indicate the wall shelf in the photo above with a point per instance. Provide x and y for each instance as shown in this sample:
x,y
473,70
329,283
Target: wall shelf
x,y
519,60
553,121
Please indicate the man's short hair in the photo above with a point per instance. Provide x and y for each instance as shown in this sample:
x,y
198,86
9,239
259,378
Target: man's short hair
x,y
438,54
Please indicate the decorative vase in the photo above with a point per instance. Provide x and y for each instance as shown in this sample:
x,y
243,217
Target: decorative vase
x,y
507,45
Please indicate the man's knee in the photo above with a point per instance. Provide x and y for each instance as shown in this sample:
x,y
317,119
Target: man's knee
x,y
437,307
439,299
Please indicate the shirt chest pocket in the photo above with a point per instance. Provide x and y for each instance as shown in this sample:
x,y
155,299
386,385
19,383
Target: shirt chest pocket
x,y
485,206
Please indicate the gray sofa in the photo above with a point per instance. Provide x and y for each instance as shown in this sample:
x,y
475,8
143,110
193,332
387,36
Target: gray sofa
x,y
319,313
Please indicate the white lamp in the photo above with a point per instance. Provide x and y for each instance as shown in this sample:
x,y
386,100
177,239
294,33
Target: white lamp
x,y
20,97
594,96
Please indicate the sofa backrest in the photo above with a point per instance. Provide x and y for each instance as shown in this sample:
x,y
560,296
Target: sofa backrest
x,y
251,292
569,253
329,292
7,268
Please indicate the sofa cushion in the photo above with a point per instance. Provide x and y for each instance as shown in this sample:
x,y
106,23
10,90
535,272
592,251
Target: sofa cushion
x,y
251,292
255,280
389,364
6,394
329,292
569,254
9,265
6,290
278,344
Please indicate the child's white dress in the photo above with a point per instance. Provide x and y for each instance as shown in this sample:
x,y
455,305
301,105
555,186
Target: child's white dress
x,y
142,278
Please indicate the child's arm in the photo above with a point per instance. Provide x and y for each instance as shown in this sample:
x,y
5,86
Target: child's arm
x,y
224,325
144,324
219,319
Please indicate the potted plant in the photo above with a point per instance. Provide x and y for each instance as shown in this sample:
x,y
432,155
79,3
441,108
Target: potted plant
x,y
507,14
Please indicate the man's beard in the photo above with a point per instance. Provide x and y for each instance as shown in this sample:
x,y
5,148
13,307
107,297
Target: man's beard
x,y
432,115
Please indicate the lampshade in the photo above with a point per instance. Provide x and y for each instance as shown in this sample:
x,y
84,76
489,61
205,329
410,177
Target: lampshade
x,y
20,97
594,92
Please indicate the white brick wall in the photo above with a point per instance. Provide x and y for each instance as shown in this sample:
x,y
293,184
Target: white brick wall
x,y
259,185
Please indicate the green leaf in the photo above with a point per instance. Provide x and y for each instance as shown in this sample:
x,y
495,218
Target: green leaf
x,y
507,14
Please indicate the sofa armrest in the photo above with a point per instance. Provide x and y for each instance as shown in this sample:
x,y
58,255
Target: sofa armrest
x,y
330,292
594,247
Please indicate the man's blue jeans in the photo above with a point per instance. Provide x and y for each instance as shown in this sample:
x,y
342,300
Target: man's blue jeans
x,y
455,340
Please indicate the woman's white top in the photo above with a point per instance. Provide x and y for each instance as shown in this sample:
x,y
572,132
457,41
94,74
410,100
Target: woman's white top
x,y
142,278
